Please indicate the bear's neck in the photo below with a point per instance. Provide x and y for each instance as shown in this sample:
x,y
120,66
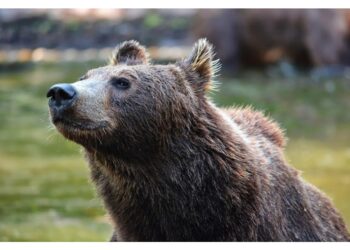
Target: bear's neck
x,y
206,166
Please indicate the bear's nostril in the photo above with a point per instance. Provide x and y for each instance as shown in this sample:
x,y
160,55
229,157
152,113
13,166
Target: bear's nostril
x,y
50,93
61,92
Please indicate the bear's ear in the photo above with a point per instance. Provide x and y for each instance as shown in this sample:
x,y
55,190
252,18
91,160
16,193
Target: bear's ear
x,y
130,53
201,62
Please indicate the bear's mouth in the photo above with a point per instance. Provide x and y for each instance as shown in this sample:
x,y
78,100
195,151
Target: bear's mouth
x,y
82,125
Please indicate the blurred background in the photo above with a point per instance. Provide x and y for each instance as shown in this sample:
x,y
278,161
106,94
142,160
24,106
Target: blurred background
x,y
292,64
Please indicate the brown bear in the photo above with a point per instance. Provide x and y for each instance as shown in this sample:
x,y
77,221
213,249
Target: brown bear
x,y
171,166
256,37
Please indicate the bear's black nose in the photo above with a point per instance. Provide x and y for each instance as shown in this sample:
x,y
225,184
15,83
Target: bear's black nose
x,y
61,94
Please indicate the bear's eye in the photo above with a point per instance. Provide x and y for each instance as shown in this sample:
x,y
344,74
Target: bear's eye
x,y
120,83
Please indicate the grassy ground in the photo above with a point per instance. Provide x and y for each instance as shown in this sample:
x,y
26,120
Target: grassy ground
x,y
45,193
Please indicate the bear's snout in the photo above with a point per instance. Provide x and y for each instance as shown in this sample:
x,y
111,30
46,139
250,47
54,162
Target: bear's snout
x,y
61,96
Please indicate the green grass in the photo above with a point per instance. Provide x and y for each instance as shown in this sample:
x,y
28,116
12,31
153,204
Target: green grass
x,y
45,192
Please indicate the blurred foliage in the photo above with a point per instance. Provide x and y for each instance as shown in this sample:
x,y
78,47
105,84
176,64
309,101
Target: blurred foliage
x,y
153,20
152,28
45,192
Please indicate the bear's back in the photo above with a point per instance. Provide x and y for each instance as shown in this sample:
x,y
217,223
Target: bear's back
x,y
255,124
306,210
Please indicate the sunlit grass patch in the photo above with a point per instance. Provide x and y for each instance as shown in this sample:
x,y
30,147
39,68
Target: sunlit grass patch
x,y
326,165
50,226
32,188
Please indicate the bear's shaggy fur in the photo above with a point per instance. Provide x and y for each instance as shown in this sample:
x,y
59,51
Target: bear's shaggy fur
x,y
171,166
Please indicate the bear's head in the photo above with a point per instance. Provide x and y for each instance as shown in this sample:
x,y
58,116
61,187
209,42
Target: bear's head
x,y
131,104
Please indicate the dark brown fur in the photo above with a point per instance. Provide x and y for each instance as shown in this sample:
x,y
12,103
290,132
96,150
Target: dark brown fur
x,y
170,166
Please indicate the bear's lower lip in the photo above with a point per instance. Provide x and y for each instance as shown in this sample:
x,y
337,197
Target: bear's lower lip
x,y
82,125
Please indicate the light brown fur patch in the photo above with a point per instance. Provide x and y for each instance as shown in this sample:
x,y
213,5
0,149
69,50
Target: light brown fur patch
x,y
255,123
